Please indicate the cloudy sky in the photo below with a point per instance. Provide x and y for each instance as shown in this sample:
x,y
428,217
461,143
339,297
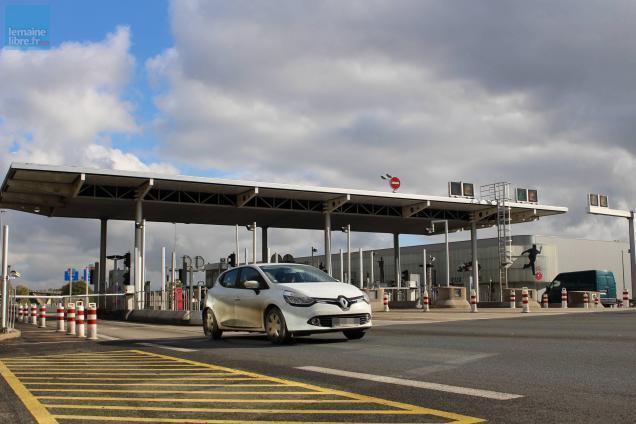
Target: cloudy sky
x,y
335,93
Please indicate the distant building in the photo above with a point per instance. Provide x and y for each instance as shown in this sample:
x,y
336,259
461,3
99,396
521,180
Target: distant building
x,y
557,254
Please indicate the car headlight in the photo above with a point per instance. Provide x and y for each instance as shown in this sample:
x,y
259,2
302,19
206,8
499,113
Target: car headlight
x,y
295,299
366,297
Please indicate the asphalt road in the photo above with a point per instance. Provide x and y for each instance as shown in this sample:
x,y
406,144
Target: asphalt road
x,y
566,368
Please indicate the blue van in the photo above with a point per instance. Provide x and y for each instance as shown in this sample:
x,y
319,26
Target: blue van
x,y
595,280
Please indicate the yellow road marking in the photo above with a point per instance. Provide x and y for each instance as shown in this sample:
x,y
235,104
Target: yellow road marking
x,y
99,379
183,392
458,418
156,384
206,400
39,412
141,374
244,410
154,367
181,420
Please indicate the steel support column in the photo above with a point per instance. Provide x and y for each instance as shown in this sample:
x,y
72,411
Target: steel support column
x,y
264,246
473,243
137,252
103,245
396,260
5,276
327,231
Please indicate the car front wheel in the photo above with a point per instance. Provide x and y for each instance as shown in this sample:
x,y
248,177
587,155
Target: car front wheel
x,y
210,326
354,334
275,327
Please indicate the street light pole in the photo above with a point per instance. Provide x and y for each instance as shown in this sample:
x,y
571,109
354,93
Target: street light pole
x,y
5,276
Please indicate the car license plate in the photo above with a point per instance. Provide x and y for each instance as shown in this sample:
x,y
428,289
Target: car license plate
x,y
345,322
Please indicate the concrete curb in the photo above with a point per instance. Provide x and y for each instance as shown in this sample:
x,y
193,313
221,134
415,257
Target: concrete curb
x,y
12,335
165,317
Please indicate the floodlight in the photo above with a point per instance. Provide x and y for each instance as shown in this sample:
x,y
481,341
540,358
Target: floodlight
x,y
522,195
602,200
533,196
593,199
455,189
468,190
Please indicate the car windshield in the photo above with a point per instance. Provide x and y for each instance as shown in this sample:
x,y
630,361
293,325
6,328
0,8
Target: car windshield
x,y
290,273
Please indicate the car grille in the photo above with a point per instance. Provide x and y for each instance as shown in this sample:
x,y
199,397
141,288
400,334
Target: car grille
x,y
327,320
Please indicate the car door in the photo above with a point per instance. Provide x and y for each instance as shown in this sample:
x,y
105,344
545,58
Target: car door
x,y
224,294
249,304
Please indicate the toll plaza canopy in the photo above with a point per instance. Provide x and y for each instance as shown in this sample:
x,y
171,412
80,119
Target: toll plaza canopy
x,y
76,192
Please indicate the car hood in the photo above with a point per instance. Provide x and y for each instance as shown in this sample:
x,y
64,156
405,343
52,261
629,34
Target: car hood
x,y
326,290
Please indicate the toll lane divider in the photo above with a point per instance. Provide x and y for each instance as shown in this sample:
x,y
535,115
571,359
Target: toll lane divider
x,y
149,398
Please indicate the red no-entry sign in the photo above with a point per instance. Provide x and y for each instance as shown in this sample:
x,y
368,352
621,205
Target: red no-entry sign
x,y
538,276
395,183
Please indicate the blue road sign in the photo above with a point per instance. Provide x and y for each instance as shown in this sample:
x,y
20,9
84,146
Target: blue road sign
x,y
75,275
67,275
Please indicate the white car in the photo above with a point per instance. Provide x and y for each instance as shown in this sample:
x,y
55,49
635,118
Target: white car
x,y
284,300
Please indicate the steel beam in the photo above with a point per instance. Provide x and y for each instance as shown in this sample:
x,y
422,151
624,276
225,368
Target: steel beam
x,y
243,198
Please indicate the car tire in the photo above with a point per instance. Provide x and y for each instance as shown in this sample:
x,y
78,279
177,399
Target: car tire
x,y
354,334
210,326
275,327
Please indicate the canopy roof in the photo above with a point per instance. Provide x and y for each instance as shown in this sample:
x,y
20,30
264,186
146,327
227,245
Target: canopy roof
x,y
76,192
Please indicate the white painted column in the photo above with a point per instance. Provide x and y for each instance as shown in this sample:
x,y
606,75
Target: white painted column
x,y
327,231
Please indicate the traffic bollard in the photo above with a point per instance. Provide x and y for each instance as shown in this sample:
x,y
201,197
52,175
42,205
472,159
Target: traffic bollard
x,y
91,321
42,316
425,306
81,329
70,319
596,300
513,300
586,300
20,313
473,301
34,314
386,302
544,301
625,298
564,298
60,318
525,307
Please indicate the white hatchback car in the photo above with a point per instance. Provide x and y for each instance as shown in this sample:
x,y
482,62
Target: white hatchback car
x,y
284,300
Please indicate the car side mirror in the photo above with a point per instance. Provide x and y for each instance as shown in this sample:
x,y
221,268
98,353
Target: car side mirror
x,y
252,284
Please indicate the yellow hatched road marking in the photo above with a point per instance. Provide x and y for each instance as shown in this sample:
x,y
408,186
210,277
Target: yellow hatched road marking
x,y
64,370
149,367
207,400
178,379
39,411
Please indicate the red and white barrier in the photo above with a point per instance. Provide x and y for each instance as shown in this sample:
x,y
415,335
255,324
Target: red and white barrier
x,y
425,302
473,301
91,321
81,329
564,298
544,301
34,314
625,298
596,300
60,318
386,302
70,319
525,307
586,300
20,313
513,300
42,316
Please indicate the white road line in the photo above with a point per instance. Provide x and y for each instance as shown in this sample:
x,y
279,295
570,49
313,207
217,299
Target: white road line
x,y
418,384
178,349
105,337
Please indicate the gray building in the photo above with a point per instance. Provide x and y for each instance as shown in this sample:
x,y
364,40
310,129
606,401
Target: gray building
x,y
557,254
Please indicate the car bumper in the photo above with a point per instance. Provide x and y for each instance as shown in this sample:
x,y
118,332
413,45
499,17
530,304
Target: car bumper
x,y
322,318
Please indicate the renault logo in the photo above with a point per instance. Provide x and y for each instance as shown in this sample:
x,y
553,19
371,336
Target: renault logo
x,y
344,303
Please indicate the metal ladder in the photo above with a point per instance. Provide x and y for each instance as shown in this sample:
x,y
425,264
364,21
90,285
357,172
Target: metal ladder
x,y
500,193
